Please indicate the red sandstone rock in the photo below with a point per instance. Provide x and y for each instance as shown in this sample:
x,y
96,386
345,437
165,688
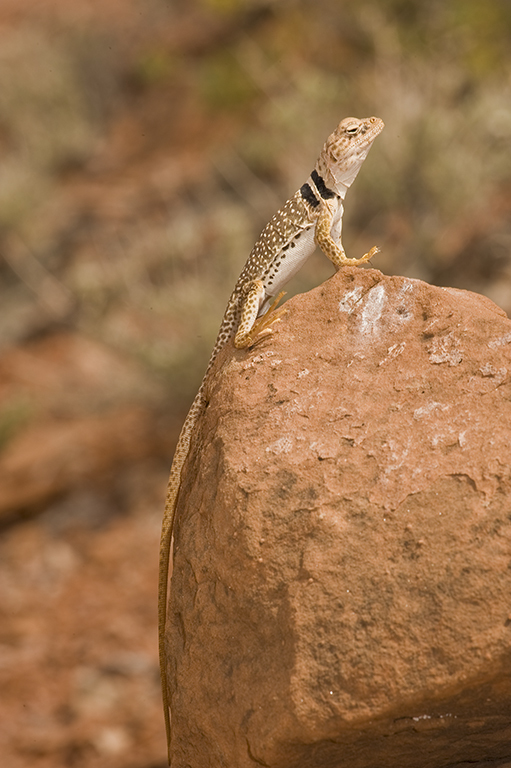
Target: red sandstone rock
x,y
342,578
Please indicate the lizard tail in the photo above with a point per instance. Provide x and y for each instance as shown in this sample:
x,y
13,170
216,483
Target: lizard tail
x,y
182,448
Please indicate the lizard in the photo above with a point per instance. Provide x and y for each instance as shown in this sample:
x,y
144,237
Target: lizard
x,y
313,216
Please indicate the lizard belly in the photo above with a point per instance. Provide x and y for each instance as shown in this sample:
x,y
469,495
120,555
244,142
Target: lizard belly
x,y
288,262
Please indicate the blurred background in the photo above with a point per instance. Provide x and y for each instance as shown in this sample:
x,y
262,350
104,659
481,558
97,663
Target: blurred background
x,y
143,146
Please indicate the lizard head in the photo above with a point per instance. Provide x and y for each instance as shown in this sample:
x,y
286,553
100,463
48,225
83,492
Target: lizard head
x,y
345,150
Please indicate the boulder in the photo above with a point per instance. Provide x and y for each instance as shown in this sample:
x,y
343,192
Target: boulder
x,y
341,593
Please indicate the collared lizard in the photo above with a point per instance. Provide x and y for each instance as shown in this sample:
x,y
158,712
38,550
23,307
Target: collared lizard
x,y
313,216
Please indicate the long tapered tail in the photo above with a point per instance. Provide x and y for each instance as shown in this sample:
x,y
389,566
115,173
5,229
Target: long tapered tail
x,y
182,449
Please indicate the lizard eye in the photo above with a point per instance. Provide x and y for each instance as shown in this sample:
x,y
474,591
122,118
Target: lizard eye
x,y
352,129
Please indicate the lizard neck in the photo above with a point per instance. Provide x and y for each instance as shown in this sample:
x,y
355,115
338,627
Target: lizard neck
x,y
315,189
335,178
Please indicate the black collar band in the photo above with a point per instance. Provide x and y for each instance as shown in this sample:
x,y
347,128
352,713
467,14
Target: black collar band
x,y
323,190
309,196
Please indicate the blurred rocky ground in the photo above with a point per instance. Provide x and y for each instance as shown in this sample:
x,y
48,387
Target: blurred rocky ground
x,y
143,145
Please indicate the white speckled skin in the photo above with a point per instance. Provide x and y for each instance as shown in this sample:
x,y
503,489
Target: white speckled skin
x,y
313,216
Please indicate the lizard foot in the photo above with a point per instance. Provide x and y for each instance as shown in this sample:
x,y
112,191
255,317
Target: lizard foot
x,y
363,259
261,327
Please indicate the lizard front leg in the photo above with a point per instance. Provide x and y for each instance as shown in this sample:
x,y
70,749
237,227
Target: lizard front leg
x,y
330,248
250,328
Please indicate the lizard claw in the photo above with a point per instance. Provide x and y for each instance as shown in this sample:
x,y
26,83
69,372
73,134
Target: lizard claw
x,y
261,327
369,255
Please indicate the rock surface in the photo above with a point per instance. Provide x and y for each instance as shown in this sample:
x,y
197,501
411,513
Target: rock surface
x,y
341,592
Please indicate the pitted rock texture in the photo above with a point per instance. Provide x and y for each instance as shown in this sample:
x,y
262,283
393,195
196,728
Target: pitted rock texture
x,y
341,593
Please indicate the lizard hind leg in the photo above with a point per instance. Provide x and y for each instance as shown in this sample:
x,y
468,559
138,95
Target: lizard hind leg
x,y
262,325
252,329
